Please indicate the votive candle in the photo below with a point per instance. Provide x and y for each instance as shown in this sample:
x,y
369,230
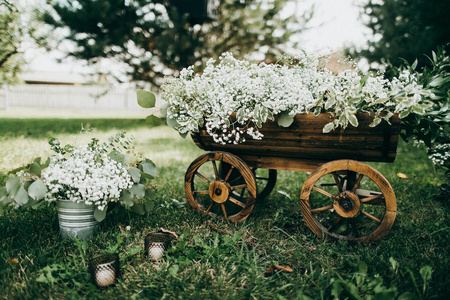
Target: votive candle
x,y
156,251
105,277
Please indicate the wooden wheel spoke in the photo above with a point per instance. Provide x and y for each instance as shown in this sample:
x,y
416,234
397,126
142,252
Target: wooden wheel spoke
x,y
328,184
374,200
229,173
357,183
203,178
237,187
323,192
337,179
237,202
320,209
224,211
240,195
366,193
215,169
370,216
209,207
237,179
201,192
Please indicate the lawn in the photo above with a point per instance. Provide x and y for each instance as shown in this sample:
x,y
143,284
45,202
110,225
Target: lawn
x,y
215,259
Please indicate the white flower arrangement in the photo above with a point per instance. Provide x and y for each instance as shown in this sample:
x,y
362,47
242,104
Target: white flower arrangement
x,y
298,85
95,174
86,176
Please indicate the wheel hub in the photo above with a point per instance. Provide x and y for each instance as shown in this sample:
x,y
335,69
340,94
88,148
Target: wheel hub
x,y
347,204
219,191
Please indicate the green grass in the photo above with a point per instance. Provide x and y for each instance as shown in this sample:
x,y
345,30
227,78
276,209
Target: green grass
x,y
228,263
41,128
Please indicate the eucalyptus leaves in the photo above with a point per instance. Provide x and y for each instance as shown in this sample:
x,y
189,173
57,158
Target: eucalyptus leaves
x,y
96,174
295,85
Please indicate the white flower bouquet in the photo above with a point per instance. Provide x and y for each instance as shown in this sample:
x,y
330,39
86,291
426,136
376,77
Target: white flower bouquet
x,y
95,174
255,93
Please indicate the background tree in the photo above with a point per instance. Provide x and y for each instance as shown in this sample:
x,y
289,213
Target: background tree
x,y
154,39
406,29
11,34
415,35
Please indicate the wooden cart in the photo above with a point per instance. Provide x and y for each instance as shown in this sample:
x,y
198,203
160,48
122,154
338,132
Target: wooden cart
x,y
342,197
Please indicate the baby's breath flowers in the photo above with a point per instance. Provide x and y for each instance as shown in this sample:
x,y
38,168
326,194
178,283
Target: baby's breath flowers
x,y
440,155
86,175
297,85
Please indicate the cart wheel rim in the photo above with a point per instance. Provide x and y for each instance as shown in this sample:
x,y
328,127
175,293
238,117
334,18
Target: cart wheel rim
x,y
350,204
221,186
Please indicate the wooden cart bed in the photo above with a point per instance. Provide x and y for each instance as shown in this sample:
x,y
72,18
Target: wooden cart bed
x,y
303,146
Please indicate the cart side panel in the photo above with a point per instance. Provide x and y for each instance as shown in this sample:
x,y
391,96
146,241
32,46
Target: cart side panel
x,y
304,140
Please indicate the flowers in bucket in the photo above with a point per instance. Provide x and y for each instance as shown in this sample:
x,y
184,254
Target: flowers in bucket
x,y
255,93
96,174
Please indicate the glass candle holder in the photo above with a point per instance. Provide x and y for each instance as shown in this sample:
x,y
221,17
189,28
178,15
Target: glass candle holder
x,y
155,245
104,269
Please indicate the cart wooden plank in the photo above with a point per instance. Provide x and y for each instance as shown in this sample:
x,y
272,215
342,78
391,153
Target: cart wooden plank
x,y
302,146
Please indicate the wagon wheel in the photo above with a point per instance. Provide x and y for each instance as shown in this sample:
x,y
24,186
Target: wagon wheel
x,y
212,185
348,200
265,179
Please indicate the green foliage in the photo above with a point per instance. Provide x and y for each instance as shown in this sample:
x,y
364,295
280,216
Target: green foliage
x,y
71,270
432,126
19,30
155,40
11,34
362,285
146,99
37,190
285,120
24,187
406,30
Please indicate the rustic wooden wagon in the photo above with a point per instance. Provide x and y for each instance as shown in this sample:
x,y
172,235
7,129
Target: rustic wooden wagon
x,y
342,197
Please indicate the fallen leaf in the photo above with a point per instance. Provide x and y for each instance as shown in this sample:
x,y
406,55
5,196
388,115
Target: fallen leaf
x,y
12,261
275,268
171,233
402,176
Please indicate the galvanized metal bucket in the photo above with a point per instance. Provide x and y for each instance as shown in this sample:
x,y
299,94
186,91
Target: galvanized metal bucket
x,y
76,220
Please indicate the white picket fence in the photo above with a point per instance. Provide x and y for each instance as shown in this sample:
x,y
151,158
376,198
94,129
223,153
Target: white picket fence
x,y
71,98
